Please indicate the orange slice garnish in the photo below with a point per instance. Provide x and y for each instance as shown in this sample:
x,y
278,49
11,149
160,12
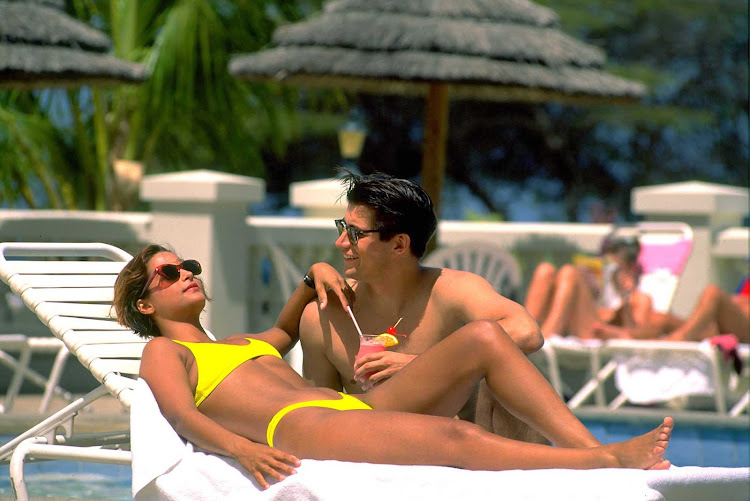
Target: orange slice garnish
x,y
388,339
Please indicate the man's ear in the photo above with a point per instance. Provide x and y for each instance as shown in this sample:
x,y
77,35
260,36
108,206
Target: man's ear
x,y
144,306
401,243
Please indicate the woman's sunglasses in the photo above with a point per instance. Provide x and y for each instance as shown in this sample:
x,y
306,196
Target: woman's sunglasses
x,y
172,272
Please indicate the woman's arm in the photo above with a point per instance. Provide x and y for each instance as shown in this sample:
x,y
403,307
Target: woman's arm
x,y
163,368
285,333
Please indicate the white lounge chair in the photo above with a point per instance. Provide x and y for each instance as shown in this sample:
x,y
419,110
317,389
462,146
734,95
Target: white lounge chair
x,y
69,286
563,356
25,348
665,249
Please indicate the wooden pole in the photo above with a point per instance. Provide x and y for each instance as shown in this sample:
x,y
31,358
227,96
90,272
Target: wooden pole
x,y
433,149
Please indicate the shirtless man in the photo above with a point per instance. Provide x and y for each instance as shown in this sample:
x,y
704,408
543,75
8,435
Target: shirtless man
x,y
382,236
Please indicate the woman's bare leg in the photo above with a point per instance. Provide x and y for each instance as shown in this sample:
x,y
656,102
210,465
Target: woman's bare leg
x,y
439,381
402,438
715,308
539,295
573,308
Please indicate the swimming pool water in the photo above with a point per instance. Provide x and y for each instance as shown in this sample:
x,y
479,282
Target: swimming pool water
x,y
691,445
72,479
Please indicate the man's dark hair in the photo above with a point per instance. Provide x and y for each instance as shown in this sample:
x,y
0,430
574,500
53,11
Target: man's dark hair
x,y
399,206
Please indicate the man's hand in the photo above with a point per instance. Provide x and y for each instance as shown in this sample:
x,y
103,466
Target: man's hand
x,y
327,278
380,366
262,461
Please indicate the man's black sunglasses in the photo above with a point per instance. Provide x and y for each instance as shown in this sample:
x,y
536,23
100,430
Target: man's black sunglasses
x,y
352,233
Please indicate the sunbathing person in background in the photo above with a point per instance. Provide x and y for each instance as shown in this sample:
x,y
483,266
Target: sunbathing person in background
x,y
566,302
716,312
237,397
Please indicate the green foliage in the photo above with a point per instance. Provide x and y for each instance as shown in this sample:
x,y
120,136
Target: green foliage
x,y
190,113
32,153
492,217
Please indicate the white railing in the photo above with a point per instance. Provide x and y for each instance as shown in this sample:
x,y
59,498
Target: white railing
x,y
203,215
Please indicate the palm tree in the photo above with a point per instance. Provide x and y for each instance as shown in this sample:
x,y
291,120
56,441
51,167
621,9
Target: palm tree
x,y
190,113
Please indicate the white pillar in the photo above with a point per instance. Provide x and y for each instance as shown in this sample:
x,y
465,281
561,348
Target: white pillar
x,y
321,198
202,215
708,209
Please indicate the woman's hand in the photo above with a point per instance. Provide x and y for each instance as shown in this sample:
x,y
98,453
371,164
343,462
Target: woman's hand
x,y
262,461
380,366
327,278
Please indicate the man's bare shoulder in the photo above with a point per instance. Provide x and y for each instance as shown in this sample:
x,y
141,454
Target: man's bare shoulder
x,y
453,282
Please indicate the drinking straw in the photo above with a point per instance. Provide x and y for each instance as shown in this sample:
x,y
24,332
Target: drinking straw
x,y
349,309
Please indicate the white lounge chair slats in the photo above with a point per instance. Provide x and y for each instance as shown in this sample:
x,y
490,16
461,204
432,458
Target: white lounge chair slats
x,y
83,338
64,267
84,310
102,366
65,323
111,351
75,294
63,281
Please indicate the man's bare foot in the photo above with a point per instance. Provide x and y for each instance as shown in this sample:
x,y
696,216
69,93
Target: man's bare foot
x,y
646,451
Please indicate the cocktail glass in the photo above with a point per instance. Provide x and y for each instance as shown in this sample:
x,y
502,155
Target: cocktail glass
x,y
369,343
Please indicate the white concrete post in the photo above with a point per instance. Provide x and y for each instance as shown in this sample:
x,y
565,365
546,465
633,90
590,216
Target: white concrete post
x,y
708,209
320,198
202,215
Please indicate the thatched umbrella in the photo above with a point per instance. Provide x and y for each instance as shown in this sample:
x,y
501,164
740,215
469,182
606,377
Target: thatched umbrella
x,y
505,50
42,46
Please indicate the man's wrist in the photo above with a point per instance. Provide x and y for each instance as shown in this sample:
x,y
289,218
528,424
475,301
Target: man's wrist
x,y
308,281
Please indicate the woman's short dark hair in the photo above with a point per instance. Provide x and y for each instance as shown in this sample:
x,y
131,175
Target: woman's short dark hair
x,y
128,286
399,205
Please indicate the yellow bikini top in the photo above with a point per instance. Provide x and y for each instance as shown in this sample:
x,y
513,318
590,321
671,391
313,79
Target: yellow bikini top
x,y
216,361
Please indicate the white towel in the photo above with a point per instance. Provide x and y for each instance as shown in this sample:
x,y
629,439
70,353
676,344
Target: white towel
x,y
155,445
661,375
166,468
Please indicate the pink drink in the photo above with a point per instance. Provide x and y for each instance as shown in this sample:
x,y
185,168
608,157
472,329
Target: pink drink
x,y
370,344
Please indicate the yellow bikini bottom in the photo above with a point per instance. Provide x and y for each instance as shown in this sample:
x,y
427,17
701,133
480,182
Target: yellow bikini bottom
x,y
345,403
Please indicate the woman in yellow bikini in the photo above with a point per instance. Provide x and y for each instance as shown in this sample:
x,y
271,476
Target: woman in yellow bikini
x,y
237,397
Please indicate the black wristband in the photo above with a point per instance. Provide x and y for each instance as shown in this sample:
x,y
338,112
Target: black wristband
x,y
309,281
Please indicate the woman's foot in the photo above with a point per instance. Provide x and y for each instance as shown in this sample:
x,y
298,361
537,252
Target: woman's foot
x,y
646,451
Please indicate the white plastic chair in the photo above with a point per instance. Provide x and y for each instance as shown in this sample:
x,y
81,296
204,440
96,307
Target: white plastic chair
x,y
25,347
289,277
493,263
